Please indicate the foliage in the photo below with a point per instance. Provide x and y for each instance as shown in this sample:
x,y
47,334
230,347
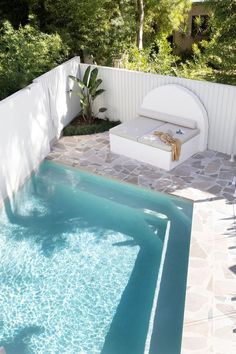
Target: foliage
x,y
93,128
164,16
107,30
15,11
215,59
25,54
160,19
88,91
149,61
222,48
102,28
196,67
165,60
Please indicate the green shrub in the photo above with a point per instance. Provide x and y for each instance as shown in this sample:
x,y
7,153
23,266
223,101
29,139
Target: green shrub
x,y
25,54
147,60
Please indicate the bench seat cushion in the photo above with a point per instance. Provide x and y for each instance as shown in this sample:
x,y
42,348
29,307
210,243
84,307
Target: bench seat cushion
x,y
136,128
153,140
168,118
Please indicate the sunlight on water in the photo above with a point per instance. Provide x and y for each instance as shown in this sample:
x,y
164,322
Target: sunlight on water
x,y
63,303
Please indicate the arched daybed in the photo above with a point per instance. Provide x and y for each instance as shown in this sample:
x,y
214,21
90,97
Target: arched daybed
x,y
169,109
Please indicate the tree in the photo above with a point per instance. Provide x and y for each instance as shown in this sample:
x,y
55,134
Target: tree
x,y
108,28
140,5
15,11
155,22
102,27
164,16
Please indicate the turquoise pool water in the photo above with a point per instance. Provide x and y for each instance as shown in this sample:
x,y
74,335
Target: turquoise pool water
x,y
89,265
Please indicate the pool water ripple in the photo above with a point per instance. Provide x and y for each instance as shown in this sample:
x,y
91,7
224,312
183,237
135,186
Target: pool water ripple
x,y
41,292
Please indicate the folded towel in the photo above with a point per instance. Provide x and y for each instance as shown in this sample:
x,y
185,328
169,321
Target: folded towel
x,y
174,143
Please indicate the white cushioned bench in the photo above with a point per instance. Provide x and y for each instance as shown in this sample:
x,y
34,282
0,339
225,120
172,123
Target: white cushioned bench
x,y
151,139
136,128
136,138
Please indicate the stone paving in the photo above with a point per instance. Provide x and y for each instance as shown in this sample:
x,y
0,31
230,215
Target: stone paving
x,y
206,178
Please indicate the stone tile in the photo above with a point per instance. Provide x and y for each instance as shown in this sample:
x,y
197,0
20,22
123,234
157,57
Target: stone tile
x,y
131,179
226,175
222,183
224,341
215,189
202,185
212,168
195,343
197,164
183,171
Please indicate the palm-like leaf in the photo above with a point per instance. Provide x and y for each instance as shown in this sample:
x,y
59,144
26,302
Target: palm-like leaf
x,y
78,81
86,76
93,77
95,86
97,93
80,94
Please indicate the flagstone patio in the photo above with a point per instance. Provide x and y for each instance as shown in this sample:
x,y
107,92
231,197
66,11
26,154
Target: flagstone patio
x,y
206,178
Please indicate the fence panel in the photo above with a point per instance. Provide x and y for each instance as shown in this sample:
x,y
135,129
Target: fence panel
x,y
24,136
62,106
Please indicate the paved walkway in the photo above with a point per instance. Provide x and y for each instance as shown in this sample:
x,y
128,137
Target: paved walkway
x,y
206,178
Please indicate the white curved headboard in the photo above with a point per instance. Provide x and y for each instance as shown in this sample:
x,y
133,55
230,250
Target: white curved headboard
x,y
178,101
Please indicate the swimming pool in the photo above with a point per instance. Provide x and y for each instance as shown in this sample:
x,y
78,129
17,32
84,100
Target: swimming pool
x,y
91,265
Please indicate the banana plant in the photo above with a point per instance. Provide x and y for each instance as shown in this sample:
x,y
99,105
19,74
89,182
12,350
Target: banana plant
x,y
88,91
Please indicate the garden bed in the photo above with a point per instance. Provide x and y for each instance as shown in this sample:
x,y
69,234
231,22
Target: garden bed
x,y
79,127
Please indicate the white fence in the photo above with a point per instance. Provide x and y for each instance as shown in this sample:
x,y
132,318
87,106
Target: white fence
x,y
125,91
29,120
62,107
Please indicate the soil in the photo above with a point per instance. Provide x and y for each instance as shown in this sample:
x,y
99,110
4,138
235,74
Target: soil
x,y
79,127
79,121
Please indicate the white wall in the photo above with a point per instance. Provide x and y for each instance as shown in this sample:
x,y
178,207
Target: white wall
x,y
62,106
126,89
29,120
24,137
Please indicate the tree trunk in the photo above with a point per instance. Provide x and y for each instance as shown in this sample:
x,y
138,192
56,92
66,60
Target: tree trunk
x,y
140,24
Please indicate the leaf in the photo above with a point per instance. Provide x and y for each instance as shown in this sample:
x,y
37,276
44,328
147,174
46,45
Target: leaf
x,y
102,109
93,77
78,81
97,93
95,86
86,76
80,94
82,102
